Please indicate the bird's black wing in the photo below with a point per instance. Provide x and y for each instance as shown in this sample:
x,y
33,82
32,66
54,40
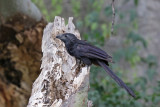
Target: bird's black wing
x,y
85,49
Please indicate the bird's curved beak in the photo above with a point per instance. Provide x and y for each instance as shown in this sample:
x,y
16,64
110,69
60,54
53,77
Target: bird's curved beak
x,y
59,36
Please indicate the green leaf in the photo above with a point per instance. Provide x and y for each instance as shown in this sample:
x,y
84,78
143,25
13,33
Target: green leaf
x,y
136,2
136,37
94,26
108,11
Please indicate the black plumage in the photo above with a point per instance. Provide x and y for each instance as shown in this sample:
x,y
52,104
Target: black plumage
x,y
90,54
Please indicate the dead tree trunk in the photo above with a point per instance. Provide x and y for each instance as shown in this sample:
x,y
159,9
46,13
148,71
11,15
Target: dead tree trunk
x,y
62,82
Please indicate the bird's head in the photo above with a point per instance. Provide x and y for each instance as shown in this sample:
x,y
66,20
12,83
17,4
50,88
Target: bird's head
x,y
67,37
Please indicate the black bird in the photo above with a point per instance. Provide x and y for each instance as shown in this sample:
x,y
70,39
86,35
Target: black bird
x,y
90,54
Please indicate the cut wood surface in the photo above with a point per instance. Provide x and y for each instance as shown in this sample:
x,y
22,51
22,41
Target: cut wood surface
x,y
63,81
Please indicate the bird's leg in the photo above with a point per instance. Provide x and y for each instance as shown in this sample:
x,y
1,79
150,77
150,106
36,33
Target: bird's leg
x,y
82,64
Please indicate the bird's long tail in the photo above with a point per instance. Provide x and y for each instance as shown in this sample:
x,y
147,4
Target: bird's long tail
x,y
117,79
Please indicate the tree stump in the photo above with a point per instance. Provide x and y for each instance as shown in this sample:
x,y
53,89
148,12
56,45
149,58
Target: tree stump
x,y
63,82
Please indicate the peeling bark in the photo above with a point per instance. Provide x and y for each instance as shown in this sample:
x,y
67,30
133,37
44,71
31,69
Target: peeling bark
x,y
62,82
20,56
21,30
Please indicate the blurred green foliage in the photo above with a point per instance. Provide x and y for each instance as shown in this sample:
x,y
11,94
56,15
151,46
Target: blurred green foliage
x,y
104,92
56,5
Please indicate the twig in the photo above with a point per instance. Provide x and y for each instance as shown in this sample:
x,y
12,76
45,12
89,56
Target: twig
x,y
113,16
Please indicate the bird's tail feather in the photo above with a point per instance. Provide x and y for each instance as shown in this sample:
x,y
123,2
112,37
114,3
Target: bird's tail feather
x,y
117,79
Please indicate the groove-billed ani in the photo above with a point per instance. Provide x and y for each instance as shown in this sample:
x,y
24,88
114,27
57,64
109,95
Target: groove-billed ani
x,y
90,54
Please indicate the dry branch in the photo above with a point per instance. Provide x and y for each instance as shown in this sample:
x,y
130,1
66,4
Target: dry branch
x,y
62,82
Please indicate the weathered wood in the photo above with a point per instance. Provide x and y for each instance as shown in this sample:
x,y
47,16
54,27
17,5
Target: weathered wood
x,y
62,82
